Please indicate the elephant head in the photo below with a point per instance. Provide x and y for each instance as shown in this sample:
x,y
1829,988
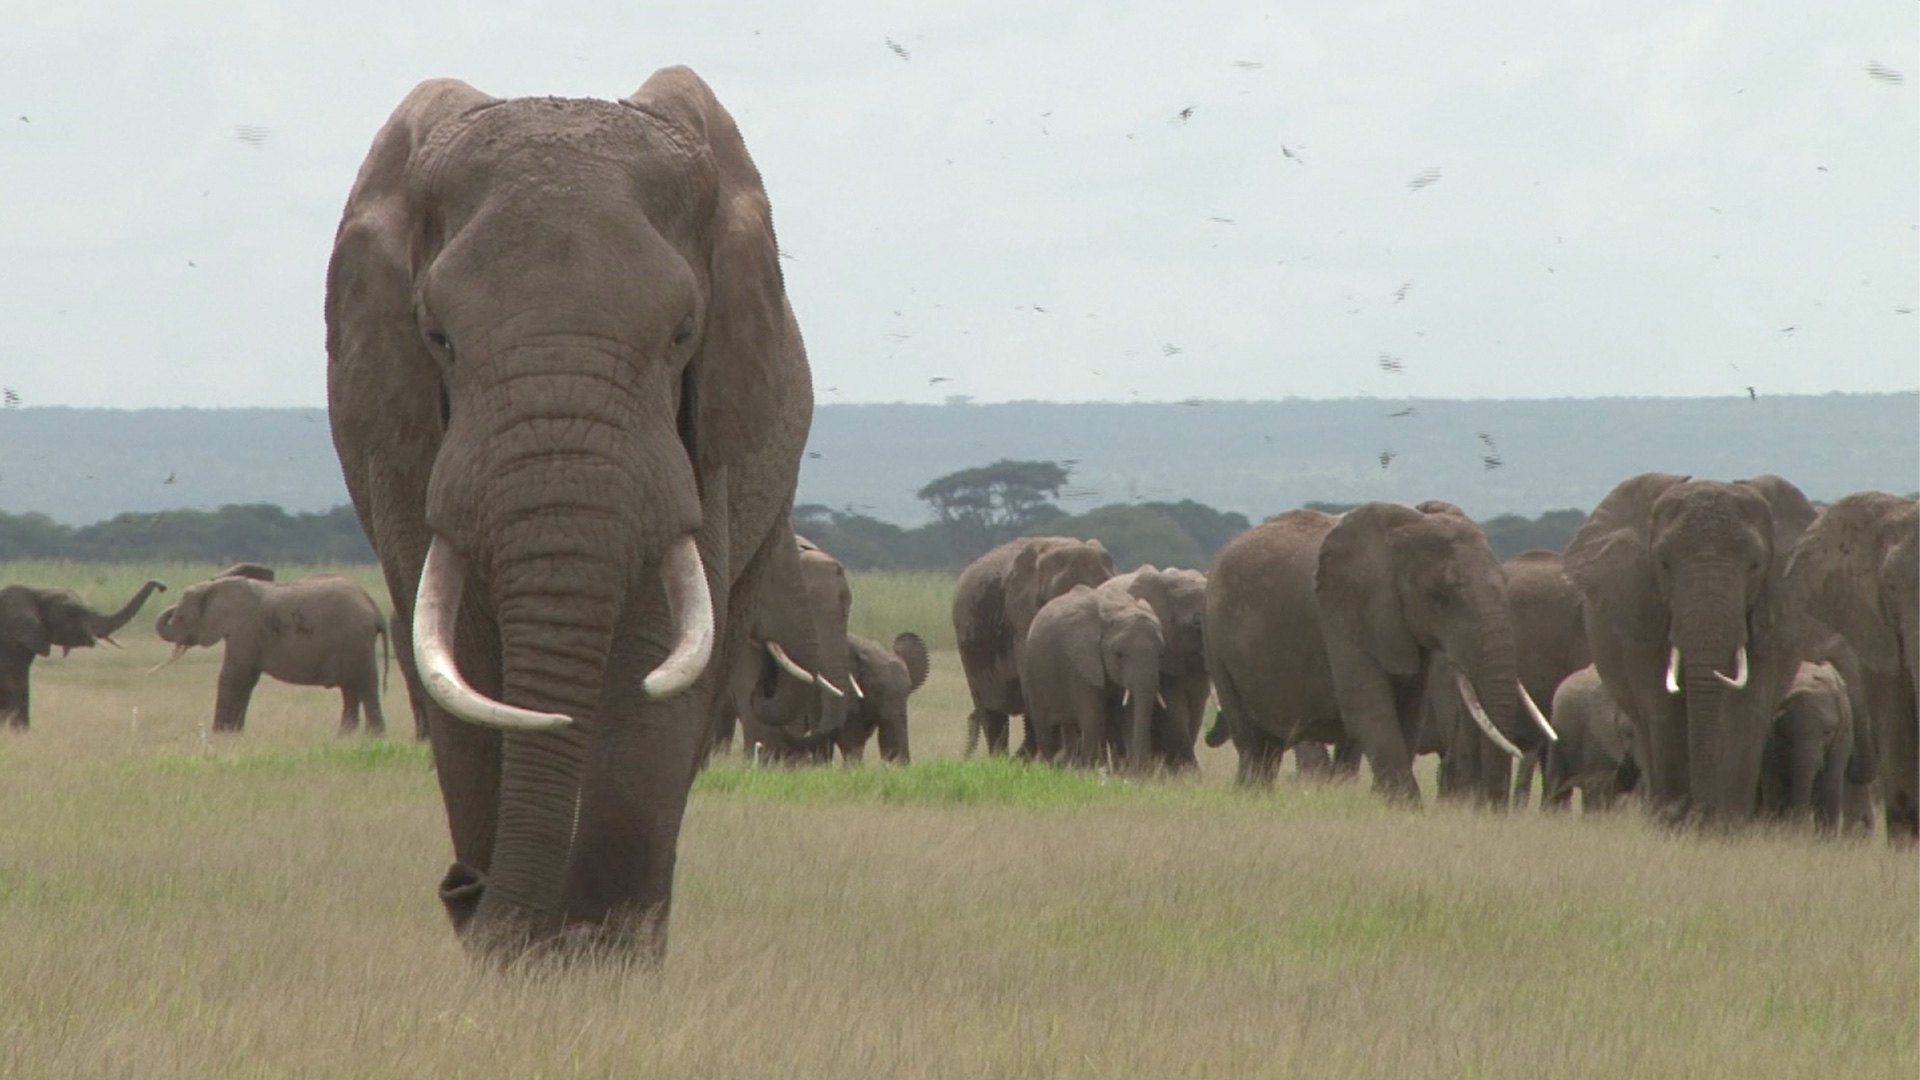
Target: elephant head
x,y
882,679
1179,600
1689,625
1809,748
1396,584
569,398
35,620
207,612
797,672
1050,566
164,627
1116,641
1856,570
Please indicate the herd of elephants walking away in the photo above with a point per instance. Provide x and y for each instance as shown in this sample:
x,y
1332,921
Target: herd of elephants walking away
x,y
570,401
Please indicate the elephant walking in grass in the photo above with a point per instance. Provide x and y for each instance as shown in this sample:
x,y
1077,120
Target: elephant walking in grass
x,y
1092,662
34,621
570,400
994,601
317,631
1325,628
1810,751
1856,569
790,690
1683,590
1179,601
881,680
1594,754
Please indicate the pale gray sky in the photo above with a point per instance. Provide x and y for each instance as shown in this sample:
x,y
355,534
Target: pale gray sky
x,y
1632,198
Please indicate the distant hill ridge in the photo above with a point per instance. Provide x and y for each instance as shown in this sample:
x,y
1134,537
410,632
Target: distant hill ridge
x,y
1256,457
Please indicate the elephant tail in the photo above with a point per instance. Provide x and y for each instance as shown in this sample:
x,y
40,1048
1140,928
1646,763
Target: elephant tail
x,y
973,732
386,655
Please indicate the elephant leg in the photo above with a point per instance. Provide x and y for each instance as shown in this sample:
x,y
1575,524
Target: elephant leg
x,y
893,742
1522,795
13,692
1089,732
1556,794
993,724
1496,777
1829,797
370,706
235,691
349,712
1667,766
1260,755
1346,760
1311,760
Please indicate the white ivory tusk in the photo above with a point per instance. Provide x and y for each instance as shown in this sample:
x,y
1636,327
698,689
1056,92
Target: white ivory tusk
x,y
1739,680
1673,670
1480,715
691,606
435,606
786,663
1540,718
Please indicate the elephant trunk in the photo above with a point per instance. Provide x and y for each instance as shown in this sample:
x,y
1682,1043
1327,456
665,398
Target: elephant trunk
x,y
1710,635
1489,675
105,626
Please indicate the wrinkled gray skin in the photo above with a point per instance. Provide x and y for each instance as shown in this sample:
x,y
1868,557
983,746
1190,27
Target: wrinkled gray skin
x,y
804,607
1086,653
33,621
1595,751
1550,642
317,631
994,601
1324,628
1857,570
559,344
1670,562
1803,772
1179,601
887,677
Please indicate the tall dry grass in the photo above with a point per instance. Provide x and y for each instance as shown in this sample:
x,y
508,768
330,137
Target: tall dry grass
x,y
174,904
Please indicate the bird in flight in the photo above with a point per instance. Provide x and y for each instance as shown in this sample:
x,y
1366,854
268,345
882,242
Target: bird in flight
x,y
1752,394
899,50
10,399
1288,152
1491,462
1429,175
1386,459
1880,71
170,477
937,380
1391,364
813,453
1485,438
1184,115
1408,411
1169,350
1248,65
1400,293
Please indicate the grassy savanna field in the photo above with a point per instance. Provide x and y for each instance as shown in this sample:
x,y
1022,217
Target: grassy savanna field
x,y
261,905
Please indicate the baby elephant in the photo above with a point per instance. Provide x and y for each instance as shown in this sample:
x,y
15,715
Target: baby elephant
x,y
1595,750
1092,658
882,680
318,631
1810,751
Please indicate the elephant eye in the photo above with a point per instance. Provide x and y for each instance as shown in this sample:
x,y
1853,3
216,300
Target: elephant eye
x,y
442,342
683,333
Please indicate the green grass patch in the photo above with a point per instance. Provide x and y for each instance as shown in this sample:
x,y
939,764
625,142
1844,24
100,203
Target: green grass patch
x,y
977,782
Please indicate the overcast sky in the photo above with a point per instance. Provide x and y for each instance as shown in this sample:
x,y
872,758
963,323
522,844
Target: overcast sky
x,y
1624,199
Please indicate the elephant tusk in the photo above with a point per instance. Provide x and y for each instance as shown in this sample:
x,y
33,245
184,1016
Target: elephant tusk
x,y
1739,679
828,686
1125,696
1160,700
108,638
855,683
1673,670
691,605
435,606
1480,715
1540,718
786,663
178,651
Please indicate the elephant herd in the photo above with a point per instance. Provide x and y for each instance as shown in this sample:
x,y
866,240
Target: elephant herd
x,y
1725,650
318,631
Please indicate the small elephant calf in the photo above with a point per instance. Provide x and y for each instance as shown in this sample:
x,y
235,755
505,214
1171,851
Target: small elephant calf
x,y
317,631
883,678
1810,752
1595,749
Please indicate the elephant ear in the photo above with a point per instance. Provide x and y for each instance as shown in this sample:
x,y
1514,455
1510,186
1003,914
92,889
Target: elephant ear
x,y
912,651
1834,571
1106,557
1611,558
1083,630
21,621
1355,584
219,608
1023,584
1791,515
751,333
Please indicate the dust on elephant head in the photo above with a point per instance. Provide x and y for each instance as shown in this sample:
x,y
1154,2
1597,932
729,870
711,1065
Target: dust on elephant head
x,y
1690,628
570,399
34,621
1856,570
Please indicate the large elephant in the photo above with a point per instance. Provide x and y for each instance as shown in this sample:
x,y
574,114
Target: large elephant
x,y
317,631
1179,601
1594,753
1092,662
1803,771
790,687
994,601
1857,570
1321,627
1689,626
570,401
34,620
882,679
1550,643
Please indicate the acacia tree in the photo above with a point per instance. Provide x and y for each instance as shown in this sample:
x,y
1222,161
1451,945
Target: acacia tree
x,y
990,504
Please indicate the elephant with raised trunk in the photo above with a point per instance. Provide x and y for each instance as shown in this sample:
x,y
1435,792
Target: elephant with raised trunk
x,y
1684,597
790,688
1857,570
994,601
1092,663
33,621
882,679
1325,628
317,631
1179,601
570,400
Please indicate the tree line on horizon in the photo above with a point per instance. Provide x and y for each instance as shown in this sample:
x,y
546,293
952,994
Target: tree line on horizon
x,y
973,511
